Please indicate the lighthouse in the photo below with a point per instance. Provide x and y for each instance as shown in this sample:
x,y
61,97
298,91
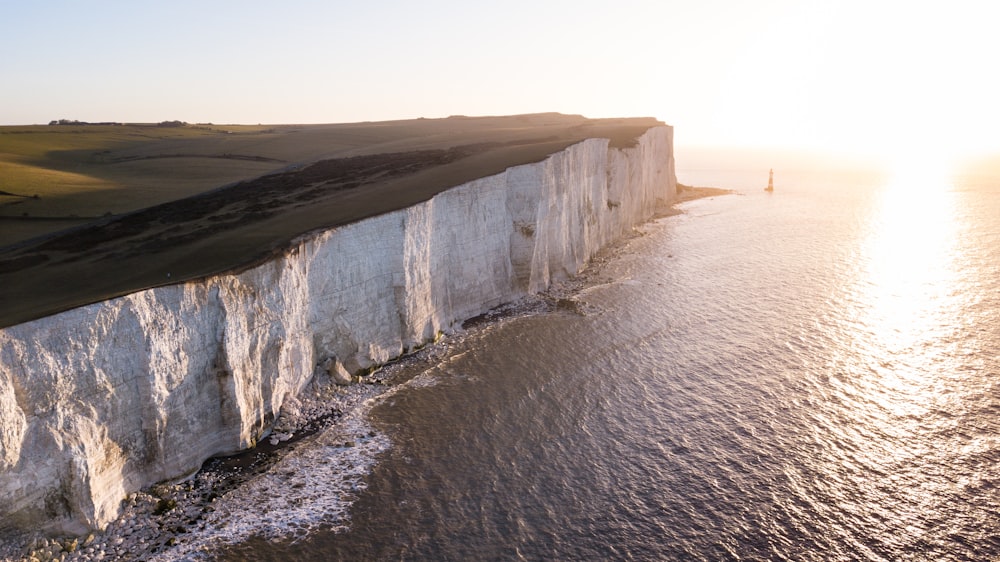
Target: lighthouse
x,y
770,181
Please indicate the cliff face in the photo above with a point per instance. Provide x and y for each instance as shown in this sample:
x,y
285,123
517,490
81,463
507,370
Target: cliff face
x,y
99,401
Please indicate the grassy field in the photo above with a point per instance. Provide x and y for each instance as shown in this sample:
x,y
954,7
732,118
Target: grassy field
x,y
148,205
54,176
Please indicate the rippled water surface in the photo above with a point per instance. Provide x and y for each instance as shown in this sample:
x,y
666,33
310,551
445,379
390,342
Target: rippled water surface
x,y
808,375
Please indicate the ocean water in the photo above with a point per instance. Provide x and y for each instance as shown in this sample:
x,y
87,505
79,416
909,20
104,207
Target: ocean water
x,y
812,374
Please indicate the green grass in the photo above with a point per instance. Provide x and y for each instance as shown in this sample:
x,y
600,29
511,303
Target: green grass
x,y
72,173
68,172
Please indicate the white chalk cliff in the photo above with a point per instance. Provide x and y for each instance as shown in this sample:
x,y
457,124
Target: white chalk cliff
x,y
99,401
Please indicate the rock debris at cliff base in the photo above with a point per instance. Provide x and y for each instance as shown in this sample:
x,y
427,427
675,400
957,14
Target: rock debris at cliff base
x,y
261,491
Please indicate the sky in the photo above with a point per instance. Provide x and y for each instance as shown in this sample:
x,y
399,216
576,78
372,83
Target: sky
x,y
890,79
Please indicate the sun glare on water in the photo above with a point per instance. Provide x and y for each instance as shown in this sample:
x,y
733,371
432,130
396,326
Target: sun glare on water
x,y
905,293
910,247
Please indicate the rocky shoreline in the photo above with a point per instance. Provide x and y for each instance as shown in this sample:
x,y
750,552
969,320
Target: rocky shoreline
x,y
164,516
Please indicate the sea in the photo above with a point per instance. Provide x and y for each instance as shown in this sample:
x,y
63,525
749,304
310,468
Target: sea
x,y
808,374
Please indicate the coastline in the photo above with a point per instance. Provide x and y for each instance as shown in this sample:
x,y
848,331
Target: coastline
x,y
322,438
690,193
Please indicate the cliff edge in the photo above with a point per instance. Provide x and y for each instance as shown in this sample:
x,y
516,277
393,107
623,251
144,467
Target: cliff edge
x,y
101,400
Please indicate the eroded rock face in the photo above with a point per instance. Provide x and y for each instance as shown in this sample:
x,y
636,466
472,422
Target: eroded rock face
x,y
99,401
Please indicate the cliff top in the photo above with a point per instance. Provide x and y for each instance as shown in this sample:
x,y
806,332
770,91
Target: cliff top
x,y
171,222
